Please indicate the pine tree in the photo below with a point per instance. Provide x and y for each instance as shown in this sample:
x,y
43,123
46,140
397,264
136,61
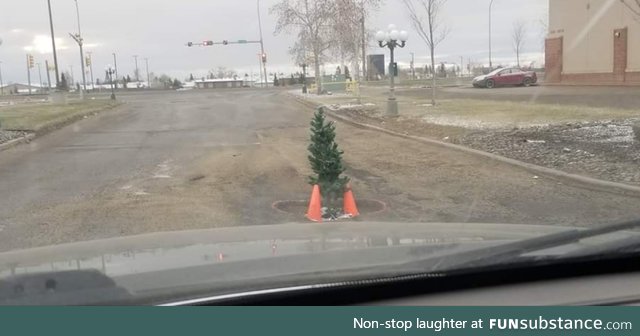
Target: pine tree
x,y
63,85
326,161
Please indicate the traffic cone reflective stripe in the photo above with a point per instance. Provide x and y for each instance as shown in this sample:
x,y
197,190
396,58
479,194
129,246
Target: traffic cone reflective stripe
x,y
315,205
350,208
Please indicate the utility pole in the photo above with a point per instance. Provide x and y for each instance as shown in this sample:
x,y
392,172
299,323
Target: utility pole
x,y
115,65
46,65
413,69
90,59
29,72
146,60
137,71
80,42
53,42
264,56
461,65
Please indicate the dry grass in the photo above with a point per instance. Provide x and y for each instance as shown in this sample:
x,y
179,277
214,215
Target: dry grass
x,y
35,117
476,113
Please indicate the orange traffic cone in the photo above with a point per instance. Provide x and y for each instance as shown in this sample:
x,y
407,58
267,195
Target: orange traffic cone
x,y
350,208
315,205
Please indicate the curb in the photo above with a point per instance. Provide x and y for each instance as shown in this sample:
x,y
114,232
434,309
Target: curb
x,y
10,144
610,186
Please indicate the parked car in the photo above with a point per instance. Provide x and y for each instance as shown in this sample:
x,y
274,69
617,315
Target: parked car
x,y
506,76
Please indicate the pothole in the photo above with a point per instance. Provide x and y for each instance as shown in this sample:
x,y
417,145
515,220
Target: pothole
x,y
365,207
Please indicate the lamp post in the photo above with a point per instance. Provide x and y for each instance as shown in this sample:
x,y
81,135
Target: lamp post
x,y
110,72
392,39
490,56
115,67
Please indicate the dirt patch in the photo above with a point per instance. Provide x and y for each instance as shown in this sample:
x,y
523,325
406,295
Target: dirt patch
x,y
365,207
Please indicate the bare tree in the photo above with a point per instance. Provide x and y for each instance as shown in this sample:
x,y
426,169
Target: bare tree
x,y
633,6
312,21
425,17
350,32
519,36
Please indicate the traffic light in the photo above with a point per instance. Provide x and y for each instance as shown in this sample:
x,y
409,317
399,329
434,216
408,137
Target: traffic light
x,y
264,58
208,43
31,61
189,44
395,69
225,42
87,61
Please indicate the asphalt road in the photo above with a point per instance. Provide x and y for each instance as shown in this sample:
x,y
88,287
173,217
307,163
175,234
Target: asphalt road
x,y
170,161
600,96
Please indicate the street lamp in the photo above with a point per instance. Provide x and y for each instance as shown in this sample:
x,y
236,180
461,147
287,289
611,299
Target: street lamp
x,y
490,56
392,39
110,72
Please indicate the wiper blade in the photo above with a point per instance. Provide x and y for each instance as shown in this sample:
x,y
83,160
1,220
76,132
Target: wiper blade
x,y
504,253
627,245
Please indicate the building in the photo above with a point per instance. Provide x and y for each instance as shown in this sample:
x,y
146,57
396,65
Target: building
x,y
220,83
18,88
593,42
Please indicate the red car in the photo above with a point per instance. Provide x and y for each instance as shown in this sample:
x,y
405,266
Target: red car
x,y
506,76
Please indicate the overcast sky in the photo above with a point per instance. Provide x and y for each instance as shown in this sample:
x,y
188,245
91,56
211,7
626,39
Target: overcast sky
x,y
159,30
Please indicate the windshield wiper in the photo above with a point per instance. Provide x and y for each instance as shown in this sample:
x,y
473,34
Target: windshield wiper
x,y
508,252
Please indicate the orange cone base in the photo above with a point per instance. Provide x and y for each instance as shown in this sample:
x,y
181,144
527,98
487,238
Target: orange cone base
x,y
350,208
314,213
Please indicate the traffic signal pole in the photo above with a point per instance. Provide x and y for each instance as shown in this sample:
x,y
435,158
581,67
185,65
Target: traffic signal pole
x,y
263,55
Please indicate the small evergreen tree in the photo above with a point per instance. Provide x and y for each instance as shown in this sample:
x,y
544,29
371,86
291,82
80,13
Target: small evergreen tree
x,y
347,74
191,78
64,85
275,80
326,162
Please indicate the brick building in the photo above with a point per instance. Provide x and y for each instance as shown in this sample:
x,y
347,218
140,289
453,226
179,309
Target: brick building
x,y
593,42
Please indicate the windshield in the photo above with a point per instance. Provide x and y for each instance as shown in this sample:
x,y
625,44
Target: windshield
x,y
497,71
292,137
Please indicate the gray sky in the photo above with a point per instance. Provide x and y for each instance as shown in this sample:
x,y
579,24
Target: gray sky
x,y
159,29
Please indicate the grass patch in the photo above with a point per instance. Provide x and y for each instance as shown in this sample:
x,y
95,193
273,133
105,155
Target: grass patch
x,y
33,118
521,114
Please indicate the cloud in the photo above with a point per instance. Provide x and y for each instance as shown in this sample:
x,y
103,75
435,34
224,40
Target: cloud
x,y
42,44
17,30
